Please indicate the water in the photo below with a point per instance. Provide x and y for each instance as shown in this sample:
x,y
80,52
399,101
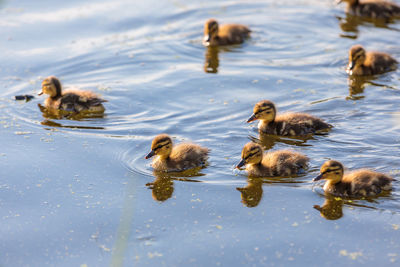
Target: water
x,y
76,192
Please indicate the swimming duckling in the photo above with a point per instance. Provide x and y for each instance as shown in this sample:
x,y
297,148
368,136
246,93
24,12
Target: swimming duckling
x,y
374,9
71,99
226,34
178,158
276,163
288,124
369,63
361,182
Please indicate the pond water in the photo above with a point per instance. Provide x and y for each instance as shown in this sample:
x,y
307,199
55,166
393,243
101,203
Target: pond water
x,y
80,193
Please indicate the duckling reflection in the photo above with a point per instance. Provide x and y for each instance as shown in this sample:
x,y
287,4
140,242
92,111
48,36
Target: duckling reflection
x,y
373,9
252,193
163,185
357,85
350,23
211,62
57,124
56,114
332,209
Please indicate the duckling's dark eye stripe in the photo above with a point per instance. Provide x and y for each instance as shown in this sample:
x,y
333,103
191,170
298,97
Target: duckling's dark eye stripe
x,y
262,110
250,155
161,145
331,170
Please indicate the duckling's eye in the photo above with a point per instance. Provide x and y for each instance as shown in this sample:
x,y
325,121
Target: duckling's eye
x,y
337,172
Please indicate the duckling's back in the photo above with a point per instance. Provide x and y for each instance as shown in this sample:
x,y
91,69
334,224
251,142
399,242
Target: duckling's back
x,y
380,62
233,33
183,156
366,182
285,162
376,9
299,124
77,100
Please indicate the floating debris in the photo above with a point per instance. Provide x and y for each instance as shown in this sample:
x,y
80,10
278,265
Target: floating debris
x,y
24,97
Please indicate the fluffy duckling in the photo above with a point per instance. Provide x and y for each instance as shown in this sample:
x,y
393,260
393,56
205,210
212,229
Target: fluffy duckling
x,y
374,9
276,163
70,100
369,63
178,158
226,34
360,183
288,124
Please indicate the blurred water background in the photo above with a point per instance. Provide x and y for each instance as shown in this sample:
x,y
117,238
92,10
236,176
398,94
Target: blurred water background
x,y
80,193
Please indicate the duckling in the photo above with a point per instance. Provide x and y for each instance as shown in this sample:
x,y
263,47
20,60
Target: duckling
x,y
70,100
288,124
226,34
178,158
277,163
369,63
374,9
359,183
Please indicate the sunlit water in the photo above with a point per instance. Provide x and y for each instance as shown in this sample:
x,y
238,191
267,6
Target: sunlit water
x,y
80,192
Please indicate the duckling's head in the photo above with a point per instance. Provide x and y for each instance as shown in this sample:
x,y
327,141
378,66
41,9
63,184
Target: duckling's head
x,y
356,58
161,146
51,86
264,110
210,31
332,171
350,2
251,154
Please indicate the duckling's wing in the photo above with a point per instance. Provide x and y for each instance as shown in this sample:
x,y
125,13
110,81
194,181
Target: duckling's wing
x,y
368,183
74,102
189,155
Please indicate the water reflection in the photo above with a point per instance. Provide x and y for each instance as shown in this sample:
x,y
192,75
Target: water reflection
x,y
332,209
62,114
251,194
162,188
268,141
211,62
357,85
350,23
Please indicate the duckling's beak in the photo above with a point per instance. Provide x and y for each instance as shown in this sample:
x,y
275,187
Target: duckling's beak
x,y
338,1
41,93
252,118
206,40
241,164
350,67
152,153
319,177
